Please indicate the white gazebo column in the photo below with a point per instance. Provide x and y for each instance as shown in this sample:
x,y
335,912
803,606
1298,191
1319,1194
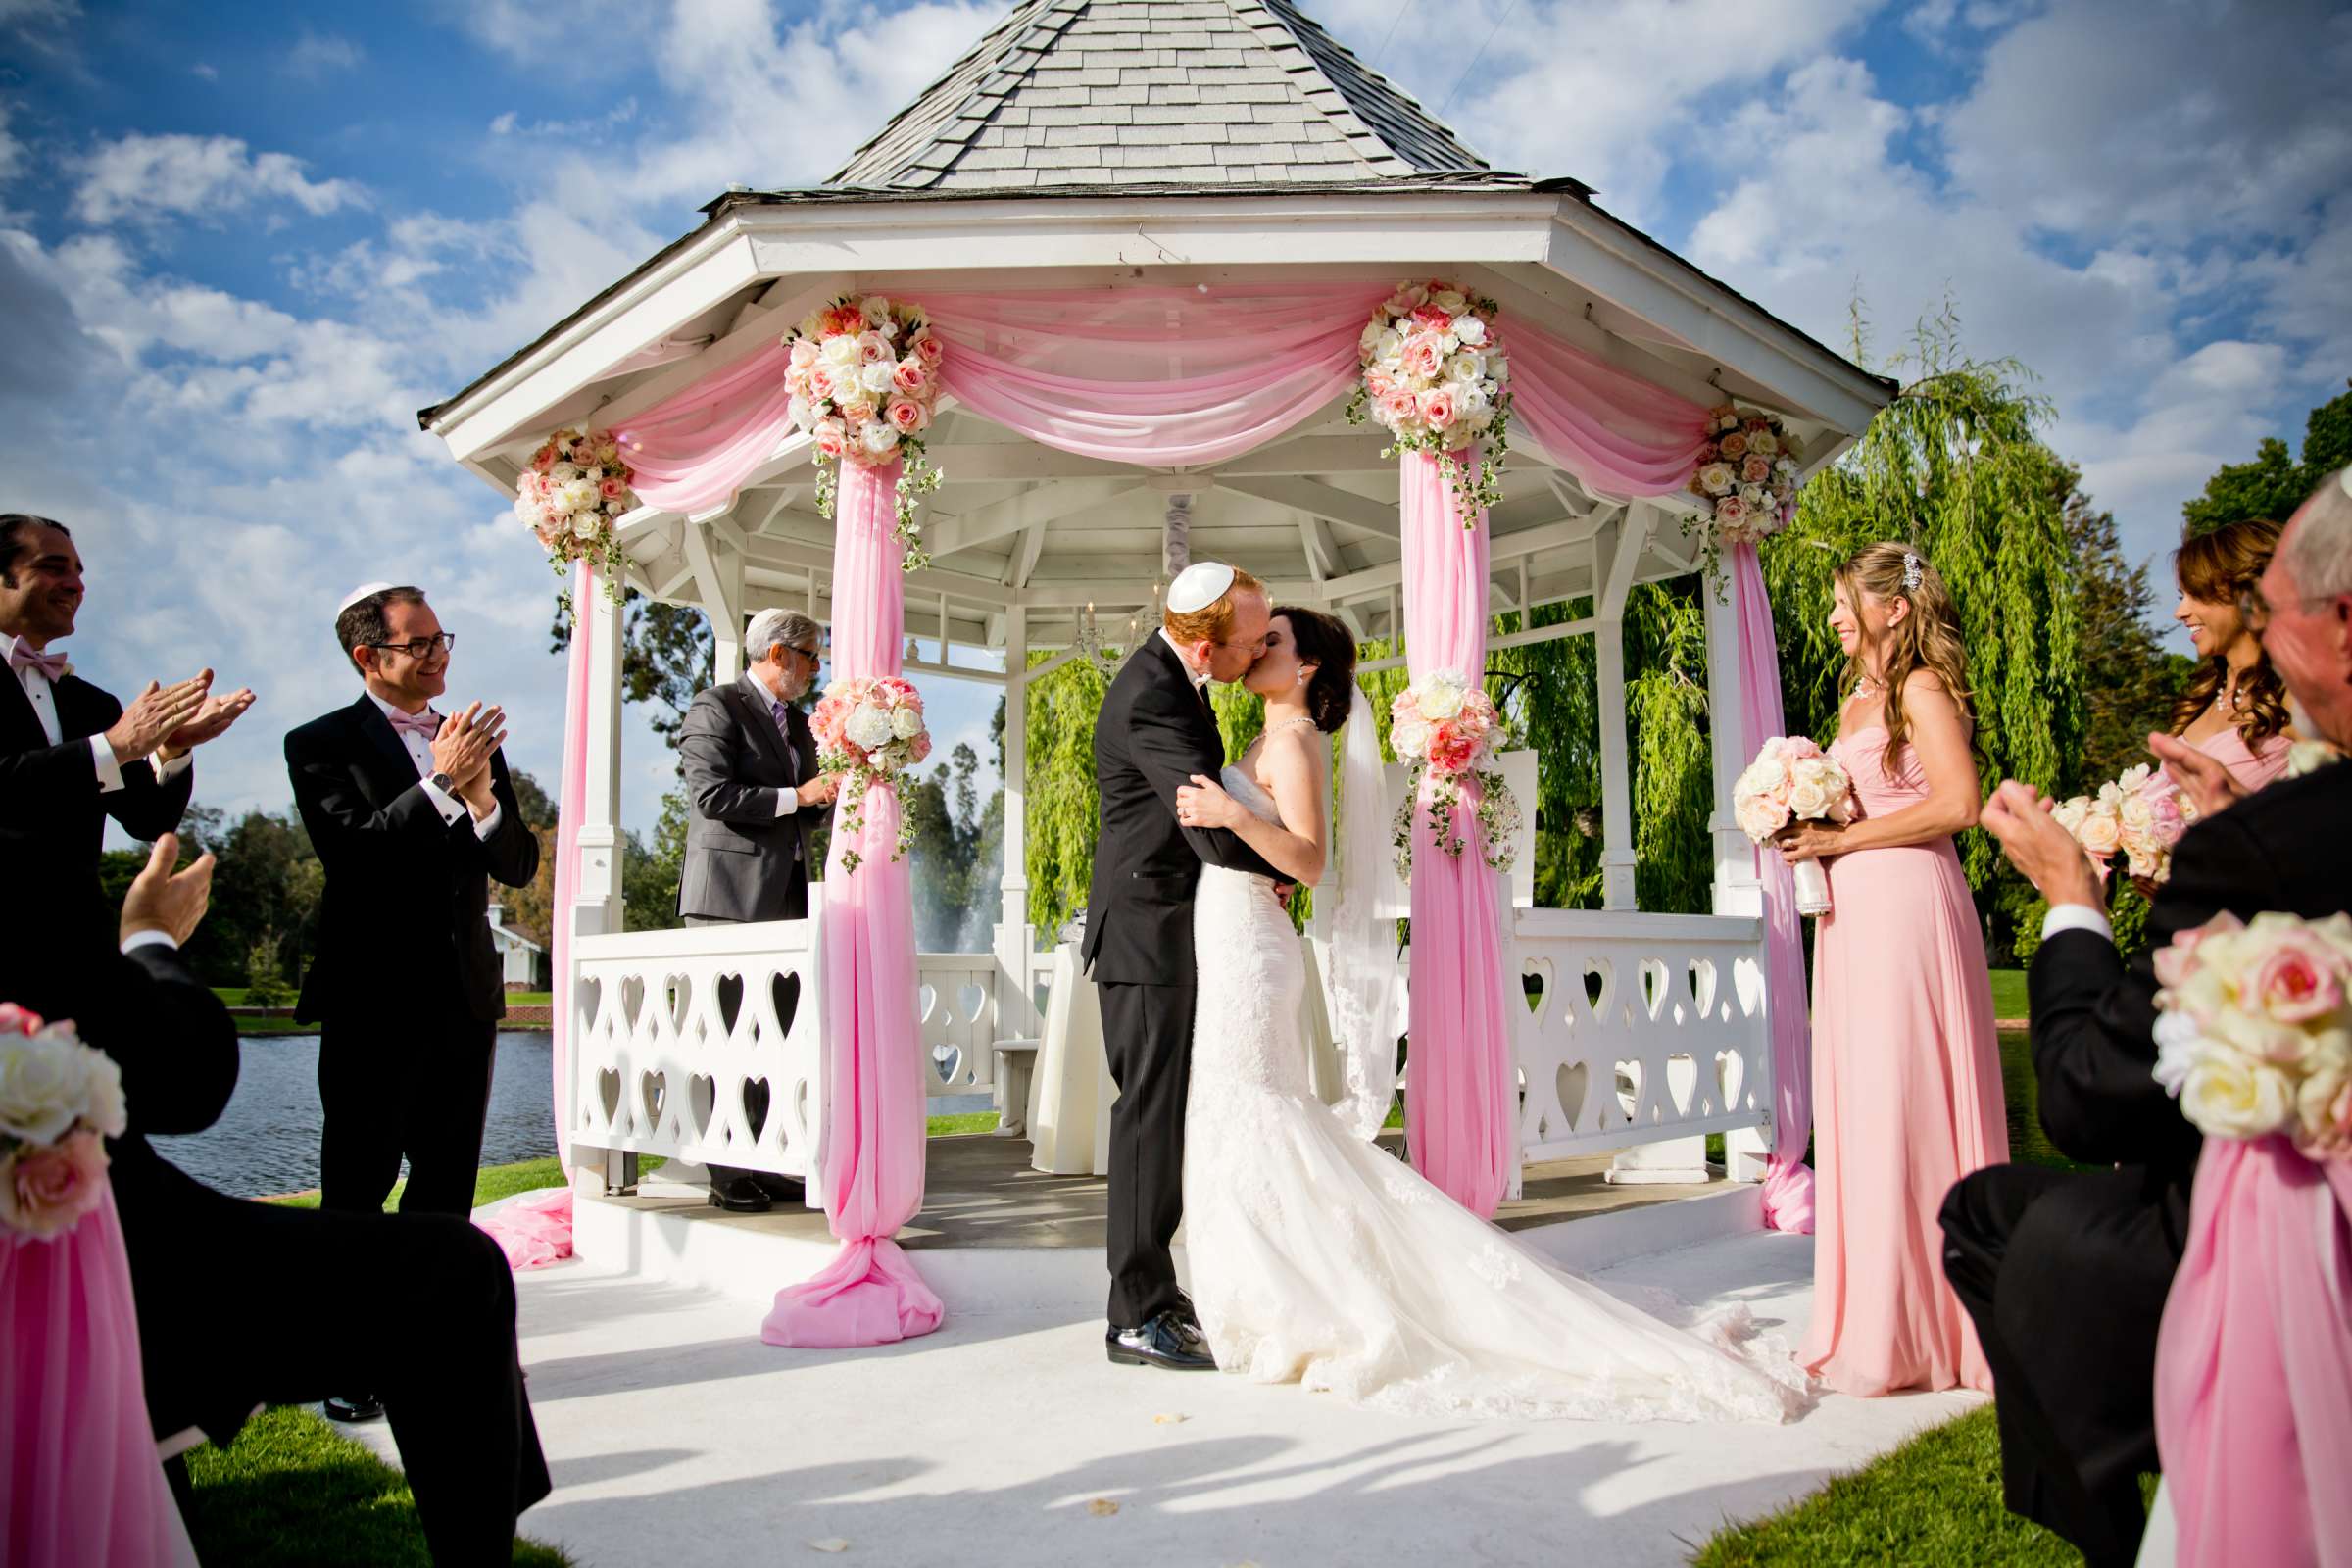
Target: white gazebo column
x,y
1618,552
718,584
596,900
1015,940
1736,889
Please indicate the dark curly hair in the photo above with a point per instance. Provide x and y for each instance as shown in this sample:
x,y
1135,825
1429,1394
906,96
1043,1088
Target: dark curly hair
x,y
1325,642
2215,569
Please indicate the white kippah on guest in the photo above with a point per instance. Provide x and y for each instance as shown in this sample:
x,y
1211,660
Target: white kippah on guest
x,y
363,591
1198,586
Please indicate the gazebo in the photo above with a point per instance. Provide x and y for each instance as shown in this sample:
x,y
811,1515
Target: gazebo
x,y
1124,172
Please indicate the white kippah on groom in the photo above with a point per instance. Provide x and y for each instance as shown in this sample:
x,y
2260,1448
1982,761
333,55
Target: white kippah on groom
x,y
1198,586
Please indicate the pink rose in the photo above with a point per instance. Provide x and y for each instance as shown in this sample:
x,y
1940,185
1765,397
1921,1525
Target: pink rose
x,y
1430,319
1379,383
821,384
1438,408
832,437
910,377
1733,446
48,1189
1756,469
611,489
1451,751
906,416
873,348
930,350
1800,746
1730,511
919,748
1423,356
15,1020
2297,981
1399,409
583,453
544,458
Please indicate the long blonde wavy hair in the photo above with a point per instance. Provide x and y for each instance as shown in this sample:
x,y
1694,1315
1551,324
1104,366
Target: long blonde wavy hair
x,y
1928,638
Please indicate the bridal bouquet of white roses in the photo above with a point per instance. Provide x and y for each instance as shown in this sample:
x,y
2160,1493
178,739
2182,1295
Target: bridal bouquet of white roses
x,y
2254,1029
59,1099
1793,781
869,731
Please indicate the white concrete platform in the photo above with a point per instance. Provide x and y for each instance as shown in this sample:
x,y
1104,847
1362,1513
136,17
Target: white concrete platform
x,y
675,1438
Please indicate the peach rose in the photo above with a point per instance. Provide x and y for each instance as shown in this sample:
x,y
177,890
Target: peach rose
x,y
910,377
1755,469
832,437
2296,980
1733,446
47,1190
1398,408
930,350
906,416
803,353
611,489
1424,355
1438,408
873,349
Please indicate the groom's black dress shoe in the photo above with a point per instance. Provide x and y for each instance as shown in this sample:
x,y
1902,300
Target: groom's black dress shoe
x,y
739,1195
352,1407
1161,1343
1188,1321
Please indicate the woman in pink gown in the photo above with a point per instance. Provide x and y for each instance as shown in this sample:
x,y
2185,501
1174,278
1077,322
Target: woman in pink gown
x,y
1906,1067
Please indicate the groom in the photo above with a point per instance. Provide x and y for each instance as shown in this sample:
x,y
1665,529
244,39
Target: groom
x,y
1155,733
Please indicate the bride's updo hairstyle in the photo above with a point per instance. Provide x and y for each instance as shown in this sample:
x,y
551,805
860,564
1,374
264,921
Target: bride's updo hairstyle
x,y
1928,638
1325,642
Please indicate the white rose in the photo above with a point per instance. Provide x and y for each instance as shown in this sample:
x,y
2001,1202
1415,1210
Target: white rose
x,y
2070,815
1409,740
102,1103
877,437
562,473
1754,495
2099,832
1369,343
1389,346
2228,1097
1467,368
1715,478
838,352
1471,330
584,523
875,378
1764,443
1808,798
867,727
1761,777
906,723
43,1086
804,414
2132,780
2137,815
1759,816
1449,300
580,495
1442,701
876,311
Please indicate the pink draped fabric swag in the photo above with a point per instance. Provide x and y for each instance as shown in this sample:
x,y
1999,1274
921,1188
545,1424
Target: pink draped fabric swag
x,y
2254,1361
1787,1179
79,1483
873,1142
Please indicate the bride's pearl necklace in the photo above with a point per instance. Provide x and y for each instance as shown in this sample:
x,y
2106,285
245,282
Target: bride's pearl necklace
x,y
1288,723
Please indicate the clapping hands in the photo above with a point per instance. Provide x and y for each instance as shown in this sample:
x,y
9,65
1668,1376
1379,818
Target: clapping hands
x,y
463,749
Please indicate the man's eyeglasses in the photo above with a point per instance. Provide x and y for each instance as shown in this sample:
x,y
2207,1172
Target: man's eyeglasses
x,y
420,647
809,654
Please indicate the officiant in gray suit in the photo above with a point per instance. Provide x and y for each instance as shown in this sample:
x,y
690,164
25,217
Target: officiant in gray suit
x,y
748,759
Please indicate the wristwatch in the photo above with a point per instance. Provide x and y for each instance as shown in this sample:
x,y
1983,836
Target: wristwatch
x,y
444,783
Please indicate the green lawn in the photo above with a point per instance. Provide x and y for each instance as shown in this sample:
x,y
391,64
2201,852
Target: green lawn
x,y
2009,994
292,1491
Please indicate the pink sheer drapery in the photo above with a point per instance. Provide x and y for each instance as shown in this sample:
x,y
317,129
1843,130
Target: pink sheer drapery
x,y
1619,435
1160,376
2254,1361
1787,1179
1461,1085
536,1227
694,450
874,1143
81,1485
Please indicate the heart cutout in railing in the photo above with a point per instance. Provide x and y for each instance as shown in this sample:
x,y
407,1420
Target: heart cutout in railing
x,y
1730,1069
1600,985
677,1000
729,996
607,1094
1681,1077
1701,977
632,999
1747,984
945,1061
588,1001
927,999
1629,1087
1653,987
969,1000
754,1105
784,993
1570,1081
702,1100
652,1089
1536,977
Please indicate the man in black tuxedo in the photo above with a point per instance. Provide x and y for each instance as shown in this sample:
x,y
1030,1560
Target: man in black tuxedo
x,y
243,1303
1155,733
411,813
748,759
71,755
2066,1273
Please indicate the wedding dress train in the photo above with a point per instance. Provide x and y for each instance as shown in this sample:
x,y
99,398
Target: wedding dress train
x,y
1317,1256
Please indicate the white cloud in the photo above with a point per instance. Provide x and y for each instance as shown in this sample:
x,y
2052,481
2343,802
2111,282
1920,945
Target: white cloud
x,y
316,55
12,151
149,178
205,72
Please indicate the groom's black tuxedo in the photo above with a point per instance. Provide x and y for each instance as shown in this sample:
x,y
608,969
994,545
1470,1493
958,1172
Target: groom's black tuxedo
x,y
405,978
52,824
2066,1273
1155,733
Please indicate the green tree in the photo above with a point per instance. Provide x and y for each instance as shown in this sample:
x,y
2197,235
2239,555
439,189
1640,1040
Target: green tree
x,y
2135,678
649,871
667,655
2275,482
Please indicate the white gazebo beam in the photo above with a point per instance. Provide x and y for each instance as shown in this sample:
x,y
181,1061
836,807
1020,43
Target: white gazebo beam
x,y
718,585
1325,501
1312,454
1019,459
983,594
1030,507
1023,562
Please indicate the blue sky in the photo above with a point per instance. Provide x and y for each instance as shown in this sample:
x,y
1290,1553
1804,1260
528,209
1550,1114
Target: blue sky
x,y
241,244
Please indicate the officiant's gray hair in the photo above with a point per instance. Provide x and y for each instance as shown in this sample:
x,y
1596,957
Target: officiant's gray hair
x,y
2317,549
786,627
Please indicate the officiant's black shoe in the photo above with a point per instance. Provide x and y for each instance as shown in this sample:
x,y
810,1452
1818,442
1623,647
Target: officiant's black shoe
x,y
739,1195
1161,1343
353,1407
781,1189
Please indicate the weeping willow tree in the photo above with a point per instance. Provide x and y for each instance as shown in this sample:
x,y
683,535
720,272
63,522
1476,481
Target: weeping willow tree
x,y
1956,468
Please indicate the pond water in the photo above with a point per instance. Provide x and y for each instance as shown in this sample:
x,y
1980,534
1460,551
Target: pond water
x,y
268,1140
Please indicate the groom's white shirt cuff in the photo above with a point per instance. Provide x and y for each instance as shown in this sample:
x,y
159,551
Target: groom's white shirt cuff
x,y
2076,917
150,938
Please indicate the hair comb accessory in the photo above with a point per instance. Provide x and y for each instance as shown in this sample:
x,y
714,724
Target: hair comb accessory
x,y
1910,570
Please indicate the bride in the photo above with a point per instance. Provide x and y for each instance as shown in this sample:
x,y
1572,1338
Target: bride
x,y
1315,1255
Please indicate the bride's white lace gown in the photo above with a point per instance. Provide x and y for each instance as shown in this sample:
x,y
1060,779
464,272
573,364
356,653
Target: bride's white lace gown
x,y
1319,1257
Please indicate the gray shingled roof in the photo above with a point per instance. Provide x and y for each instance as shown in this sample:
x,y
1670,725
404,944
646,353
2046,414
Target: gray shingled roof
x,y
1196,93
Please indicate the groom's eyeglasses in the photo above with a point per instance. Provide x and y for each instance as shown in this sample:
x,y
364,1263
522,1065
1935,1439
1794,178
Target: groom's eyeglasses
x,y
423,648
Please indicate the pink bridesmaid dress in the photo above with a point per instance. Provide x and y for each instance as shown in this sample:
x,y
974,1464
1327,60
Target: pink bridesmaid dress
x,y
1906,1098
2252,767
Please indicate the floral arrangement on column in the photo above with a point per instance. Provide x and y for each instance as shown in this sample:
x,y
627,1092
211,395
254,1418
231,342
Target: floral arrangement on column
x,y
59,1101
1445,728
1437,378
1746,475
869,731
572,496
865,381
2254,1029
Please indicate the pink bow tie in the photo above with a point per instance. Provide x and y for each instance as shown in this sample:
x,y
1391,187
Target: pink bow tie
x,y
423,722
23,656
